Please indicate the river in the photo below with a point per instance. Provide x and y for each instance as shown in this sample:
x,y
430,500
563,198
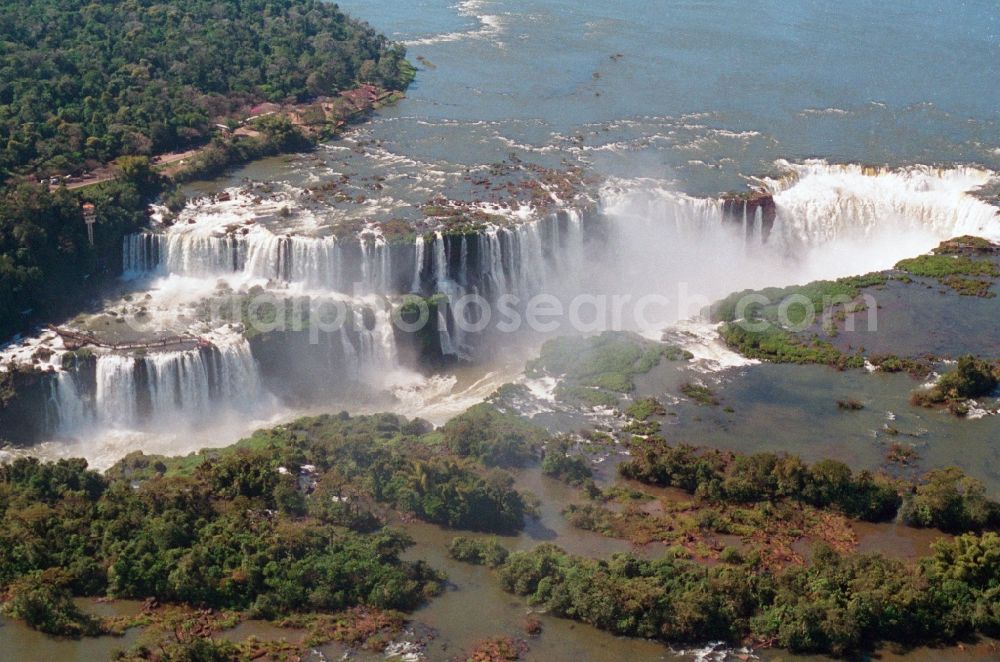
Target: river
x,y
664,106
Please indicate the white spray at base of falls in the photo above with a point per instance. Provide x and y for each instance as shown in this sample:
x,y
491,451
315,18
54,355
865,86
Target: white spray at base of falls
x,y
820,203
831,221
188,386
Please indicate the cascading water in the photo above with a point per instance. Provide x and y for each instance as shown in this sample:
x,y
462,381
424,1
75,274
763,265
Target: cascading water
x,y
418,264
317,263
115,393
821,203
451,344
68,410
160,387
497,260
823,221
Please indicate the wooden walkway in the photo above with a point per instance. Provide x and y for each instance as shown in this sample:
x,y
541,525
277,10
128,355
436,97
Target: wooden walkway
x,y
75,340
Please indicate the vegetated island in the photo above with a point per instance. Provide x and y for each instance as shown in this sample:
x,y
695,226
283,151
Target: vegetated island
x,y
908,310
117,93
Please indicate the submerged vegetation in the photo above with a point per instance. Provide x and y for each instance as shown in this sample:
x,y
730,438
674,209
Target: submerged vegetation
x,y
810,299
599,370
798,324
645,408
779,345
700,393
959,265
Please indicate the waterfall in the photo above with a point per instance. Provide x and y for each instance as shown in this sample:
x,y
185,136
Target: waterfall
x,y
440,262
516,260
378,344
366,264
451,343
492,264
350,353
463,262
529,260
821,203
818,204
418,264
519,259
178,381
317,262
573,245
448,347
115,394
162,387
69,410
384,285
821,222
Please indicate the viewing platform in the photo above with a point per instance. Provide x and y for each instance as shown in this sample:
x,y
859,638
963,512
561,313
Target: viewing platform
x,y
74,340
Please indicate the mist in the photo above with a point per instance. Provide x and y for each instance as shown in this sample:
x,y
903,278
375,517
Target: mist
x,y
643,257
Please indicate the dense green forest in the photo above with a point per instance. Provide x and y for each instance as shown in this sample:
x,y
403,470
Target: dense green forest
x,y
292,521
86,83
840,604
46,261
289,520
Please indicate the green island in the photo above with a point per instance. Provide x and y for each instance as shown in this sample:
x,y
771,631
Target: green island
x,y
287,525
837,604
816,323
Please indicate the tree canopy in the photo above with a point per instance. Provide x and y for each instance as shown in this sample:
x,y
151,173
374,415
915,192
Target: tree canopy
x,y
88,81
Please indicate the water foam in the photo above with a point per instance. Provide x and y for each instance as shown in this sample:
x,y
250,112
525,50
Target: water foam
x,y
819,203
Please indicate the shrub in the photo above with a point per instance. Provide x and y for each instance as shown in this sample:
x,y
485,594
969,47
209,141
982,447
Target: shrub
x,y
700,394
951,501
45,604
478,551
971,378
645,408
559,464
